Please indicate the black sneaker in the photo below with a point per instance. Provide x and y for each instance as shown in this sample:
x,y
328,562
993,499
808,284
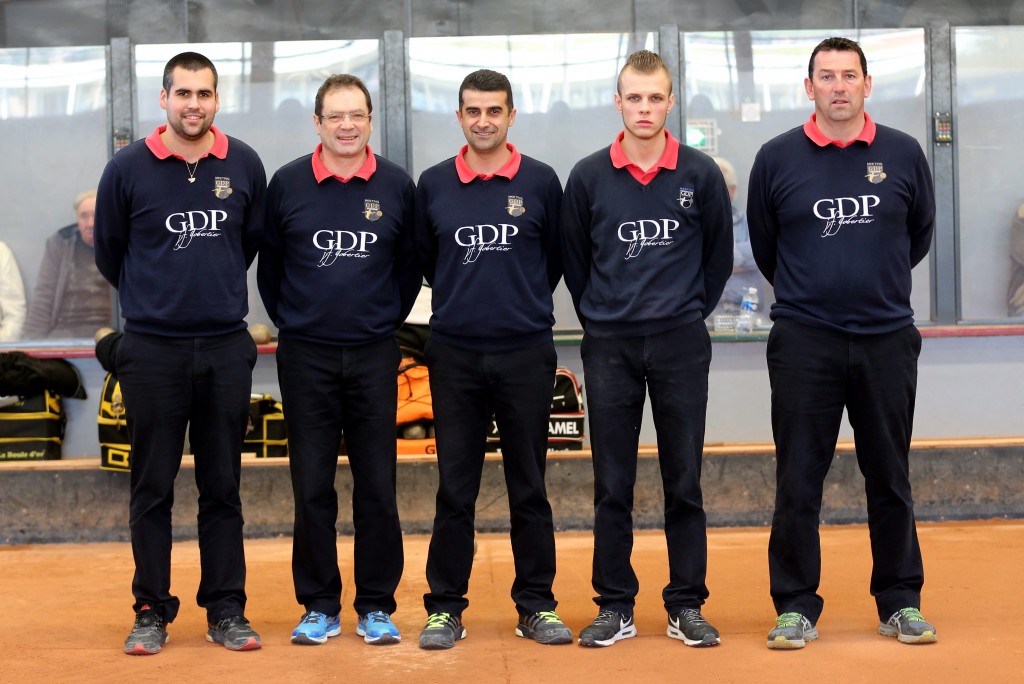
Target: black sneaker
x,y
690,627
544,627
792,630
148,634
607,628
442,631
909,626
234,633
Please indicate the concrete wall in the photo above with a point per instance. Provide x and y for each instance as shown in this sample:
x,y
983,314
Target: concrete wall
x,y
85,504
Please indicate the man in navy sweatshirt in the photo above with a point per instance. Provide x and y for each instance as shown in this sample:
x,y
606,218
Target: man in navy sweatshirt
x,y
647,241
179,219
840,210
337,274
487,239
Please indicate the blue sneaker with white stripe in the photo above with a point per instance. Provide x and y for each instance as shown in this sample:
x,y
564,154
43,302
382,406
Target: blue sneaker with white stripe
x,y
377,628
315,628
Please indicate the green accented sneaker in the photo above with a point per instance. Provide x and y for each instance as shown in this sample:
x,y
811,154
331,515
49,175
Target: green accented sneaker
x,y
148,634
792,630
234,633
544,627
909,626
442,631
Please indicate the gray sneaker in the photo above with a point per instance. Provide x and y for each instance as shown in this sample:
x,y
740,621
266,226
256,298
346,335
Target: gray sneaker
x,y
234,633
690,627
607,628
909,627
544,627
792,630
442,631
148,634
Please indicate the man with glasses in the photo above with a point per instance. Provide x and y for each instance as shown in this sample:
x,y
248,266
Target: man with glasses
x,y
840,210
487,238
337,275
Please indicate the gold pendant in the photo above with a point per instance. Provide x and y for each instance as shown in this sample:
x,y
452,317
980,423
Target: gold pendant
x,y
191,180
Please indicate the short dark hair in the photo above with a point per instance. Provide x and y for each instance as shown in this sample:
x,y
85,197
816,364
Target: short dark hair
x,y
487,81
644,62
189,61
336,82
837,44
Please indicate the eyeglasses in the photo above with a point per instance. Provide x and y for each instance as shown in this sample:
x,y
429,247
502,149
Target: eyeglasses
x,y
357,117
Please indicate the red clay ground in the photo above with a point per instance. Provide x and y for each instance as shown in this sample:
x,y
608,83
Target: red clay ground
x,y
66,610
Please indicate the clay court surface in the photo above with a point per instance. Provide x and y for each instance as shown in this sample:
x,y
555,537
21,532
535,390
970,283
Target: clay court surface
x,y
66,611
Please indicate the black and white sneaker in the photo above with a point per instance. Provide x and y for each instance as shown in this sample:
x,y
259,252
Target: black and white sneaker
x,y
607,628
690,627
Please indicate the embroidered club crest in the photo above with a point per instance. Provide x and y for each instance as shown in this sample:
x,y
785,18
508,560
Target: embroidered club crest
x,y
515,206
222,187
371,210
875,174
686,197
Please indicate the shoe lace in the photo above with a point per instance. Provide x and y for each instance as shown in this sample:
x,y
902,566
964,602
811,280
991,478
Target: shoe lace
x,y
313,617
378,616
789,620
547,617
607,617
437,620
692,616
232,621
911,614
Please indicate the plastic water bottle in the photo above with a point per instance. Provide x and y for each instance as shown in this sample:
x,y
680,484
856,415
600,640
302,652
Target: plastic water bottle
x,y
745,320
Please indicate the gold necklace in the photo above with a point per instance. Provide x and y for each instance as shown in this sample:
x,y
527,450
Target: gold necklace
x,y
191,170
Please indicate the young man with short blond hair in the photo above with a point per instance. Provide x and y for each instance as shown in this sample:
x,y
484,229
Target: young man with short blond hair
x,y
647,242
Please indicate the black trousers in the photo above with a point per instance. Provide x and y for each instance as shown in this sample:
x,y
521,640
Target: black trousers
x,y
328,390
202,383
673,367
467,388
815,373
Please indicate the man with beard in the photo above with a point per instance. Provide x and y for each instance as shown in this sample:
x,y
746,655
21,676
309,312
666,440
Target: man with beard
x,y
179,219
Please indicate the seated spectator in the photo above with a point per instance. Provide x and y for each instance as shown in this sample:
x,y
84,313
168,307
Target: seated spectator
x,y
744,271
12,296
71,299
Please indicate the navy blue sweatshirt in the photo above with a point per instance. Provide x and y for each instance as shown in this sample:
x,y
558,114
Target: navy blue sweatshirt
x,y
490,250
178,252
645,258
337,263
836,230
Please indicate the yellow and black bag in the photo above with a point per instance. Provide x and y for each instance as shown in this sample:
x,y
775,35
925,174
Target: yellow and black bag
x,y
32,428
266,434
115,448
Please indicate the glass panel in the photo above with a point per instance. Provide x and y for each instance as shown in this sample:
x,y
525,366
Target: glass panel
x,y
53,132
989,99
744,88
563,90
266,92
